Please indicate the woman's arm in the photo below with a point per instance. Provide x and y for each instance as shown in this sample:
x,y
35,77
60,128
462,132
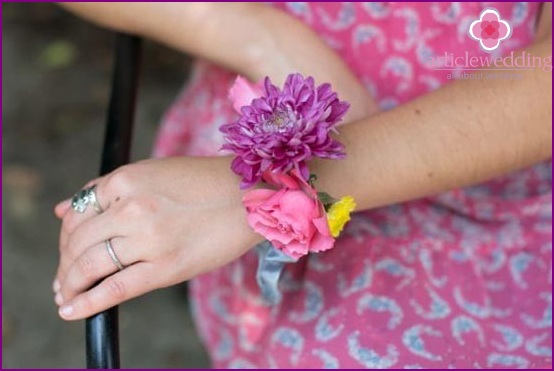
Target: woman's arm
x,y
172,219
462,134
251,39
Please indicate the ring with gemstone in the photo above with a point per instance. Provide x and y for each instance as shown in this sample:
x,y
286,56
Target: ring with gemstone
x,y
83,198
93,199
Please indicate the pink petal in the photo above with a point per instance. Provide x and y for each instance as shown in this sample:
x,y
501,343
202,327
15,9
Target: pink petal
x,y
476,30
295,249
268,229
272,234
322,226
304,184
323,240
262,218
283,218
242,93
278,245
280,180
502,30
490,43
256,221
321,243
256,197
490,17
274,200
299,204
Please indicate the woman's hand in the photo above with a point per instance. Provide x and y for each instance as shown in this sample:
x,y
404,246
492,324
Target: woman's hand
x,y
168,220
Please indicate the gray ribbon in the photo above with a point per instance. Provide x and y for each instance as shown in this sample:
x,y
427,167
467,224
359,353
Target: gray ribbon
x,y
271,263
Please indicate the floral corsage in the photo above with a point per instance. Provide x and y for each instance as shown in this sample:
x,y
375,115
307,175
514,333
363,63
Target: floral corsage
x,y
276,135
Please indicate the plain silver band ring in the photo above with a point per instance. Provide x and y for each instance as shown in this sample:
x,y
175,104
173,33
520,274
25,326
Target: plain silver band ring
x,y
114,258
94,200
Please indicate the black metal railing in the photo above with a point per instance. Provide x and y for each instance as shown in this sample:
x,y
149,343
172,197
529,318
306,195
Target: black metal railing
x,y
102,333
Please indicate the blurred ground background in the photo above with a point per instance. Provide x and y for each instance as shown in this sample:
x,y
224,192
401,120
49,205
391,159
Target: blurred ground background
x,y
55,87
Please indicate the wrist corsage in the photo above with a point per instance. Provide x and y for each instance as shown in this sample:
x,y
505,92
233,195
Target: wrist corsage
x,y
276,135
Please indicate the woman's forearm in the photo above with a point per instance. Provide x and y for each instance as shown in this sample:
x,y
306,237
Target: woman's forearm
x,y
462,134
291,46
251,39
218,32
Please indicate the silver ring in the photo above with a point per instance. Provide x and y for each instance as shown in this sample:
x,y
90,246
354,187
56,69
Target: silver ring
x,y
80,201
114,258
93,199
83,198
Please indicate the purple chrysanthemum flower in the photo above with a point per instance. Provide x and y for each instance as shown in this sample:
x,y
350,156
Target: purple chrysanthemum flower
x,y
282,130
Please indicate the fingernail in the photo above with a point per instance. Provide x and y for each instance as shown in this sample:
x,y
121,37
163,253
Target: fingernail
x,y
58,298
66,311
56,285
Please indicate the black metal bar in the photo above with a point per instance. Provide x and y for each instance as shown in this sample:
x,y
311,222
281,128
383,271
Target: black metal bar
x,y
102,333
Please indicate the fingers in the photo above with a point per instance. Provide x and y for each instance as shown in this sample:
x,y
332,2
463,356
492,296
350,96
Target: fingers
x,y
62,208
93,265
84,259
71,219
124,285
92,232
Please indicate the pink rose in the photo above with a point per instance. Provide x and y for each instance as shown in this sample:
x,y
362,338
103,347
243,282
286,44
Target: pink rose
x,y
292,218
242,93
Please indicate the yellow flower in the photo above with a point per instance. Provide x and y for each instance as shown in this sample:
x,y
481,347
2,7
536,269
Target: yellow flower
x,y
339,214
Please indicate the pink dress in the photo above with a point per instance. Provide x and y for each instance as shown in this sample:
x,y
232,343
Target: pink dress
x,y
462,279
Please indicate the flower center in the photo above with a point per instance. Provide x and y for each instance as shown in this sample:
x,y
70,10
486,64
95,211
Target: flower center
x,y
283,228
280,121
489,30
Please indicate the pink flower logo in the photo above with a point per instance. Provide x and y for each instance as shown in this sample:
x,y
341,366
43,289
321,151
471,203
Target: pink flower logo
x,y
489,29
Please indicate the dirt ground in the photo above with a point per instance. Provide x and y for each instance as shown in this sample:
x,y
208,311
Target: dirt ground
x,y
56,76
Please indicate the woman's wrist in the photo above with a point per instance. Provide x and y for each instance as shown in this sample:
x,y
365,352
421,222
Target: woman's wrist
x,y
230,186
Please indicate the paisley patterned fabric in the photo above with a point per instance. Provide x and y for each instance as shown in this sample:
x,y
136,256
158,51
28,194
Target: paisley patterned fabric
x,y
462,279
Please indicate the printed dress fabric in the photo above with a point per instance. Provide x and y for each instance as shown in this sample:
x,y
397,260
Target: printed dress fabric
x,y
459,280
